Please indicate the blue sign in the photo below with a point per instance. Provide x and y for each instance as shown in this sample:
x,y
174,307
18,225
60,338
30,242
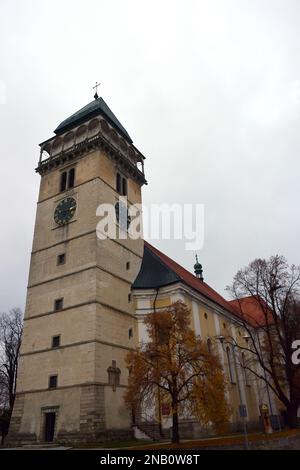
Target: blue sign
x,y
243,411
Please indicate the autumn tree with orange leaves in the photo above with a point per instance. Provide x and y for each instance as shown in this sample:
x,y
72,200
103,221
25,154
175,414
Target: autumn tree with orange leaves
x,y
178,365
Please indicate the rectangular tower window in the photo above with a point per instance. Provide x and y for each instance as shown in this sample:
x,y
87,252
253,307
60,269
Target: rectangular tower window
x,y
58,304
56,341
118,183
124,186
53,381
127,265
63,181
61,259
71,178
129,297
130,333
121,184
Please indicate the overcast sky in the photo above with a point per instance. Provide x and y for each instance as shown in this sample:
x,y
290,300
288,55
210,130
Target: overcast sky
x,y
208,90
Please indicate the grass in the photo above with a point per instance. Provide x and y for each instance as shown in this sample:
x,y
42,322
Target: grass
x,y
205,443
223,441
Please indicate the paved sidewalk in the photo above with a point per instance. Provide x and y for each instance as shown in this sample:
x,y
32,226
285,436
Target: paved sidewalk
x,y
282,439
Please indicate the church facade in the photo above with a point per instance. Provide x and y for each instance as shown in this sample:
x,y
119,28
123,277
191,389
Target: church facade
x,y
87,297
161,282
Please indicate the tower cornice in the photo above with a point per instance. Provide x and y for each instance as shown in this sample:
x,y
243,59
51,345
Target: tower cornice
x,y
80,149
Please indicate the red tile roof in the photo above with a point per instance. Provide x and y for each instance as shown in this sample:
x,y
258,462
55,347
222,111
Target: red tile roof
x,y
192,281
248,309
254,310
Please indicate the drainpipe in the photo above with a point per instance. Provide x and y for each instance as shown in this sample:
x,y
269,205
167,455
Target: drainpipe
x,y
158,389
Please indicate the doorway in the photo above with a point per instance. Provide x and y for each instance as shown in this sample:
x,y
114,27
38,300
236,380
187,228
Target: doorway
x,y
49,426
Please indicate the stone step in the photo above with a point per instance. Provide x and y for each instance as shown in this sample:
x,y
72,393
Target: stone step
x,y
39,446
151,430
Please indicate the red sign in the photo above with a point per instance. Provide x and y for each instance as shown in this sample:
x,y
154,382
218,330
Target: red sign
x,y
165,409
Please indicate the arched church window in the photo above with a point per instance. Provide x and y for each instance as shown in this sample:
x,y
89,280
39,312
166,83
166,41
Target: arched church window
x,y
245,370
231,365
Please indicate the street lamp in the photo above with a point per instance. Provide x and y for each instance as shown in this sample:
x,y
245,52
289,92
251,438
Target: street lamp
x,y
267,385
242,407
221,338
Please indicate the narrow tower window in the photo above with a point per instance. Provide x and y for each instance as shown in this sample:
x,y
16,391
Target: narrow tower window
x,y
124,186
118,183
56,341
53,381
121,184
58,304
71,178
63,181
61,259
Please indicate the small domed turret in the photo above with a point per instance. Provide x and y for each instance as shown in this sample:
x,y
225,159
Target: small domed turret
x,y
198,269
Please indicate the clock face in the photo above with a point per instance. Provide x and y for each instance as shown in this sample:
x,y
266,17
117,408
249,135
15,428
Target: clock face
x,y
65,210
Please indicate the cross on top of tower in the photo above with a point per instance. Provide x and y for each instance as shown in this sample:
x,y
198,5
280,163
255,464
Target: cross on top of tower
x,y
95,87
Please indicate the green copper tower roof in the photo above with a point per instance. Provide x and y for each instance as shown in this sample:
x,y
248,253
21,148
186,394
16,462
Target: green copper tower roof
x,y
198,269
94,108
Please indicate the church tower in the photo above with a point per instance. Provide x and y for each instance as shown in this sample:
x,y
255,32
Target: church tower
x,y
79,321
